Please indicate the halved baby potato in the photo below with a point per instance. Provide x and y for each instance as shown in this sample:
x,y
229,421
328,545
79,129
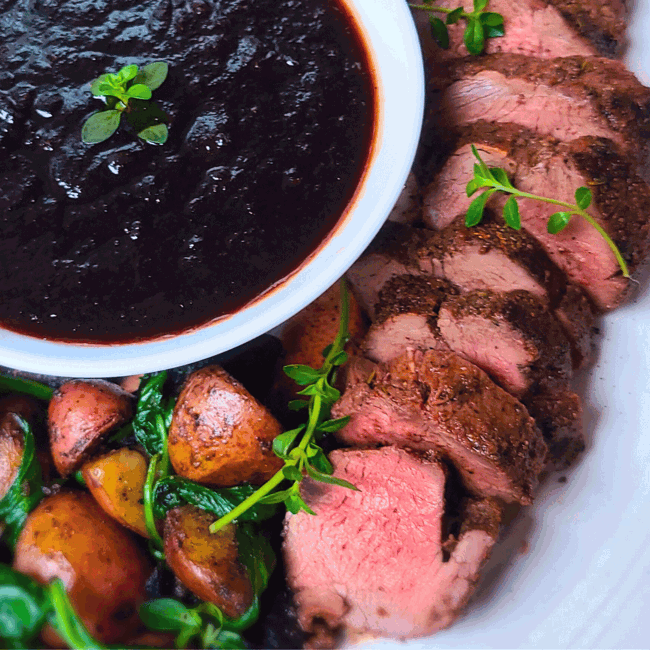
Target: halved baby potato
x,y
116,480
220,434
207,564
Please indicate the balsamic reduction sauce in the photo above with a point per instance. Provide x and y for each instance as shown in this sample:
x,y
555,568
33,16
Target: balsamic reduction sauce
x,y
271,107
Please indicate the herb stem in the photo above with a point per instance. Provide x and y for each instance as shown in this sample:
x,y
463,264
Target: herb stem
x,y
269,486
441,10
574,209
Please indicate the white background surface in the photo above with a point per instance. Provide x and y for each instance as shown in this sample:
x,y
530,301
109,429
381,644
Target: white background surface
x,y
573,570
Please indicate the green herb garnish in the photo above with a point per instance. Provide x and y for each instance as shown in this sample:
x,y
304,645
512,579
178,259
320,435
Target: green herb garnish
x,y
117,91
25,606
481,24
299,447
497,180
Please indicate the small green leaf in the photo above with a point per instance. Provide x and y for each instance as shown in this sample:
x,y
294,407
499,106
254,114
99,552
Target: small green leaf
x,y
339,359
100,126
139,91
22,607
282,443
501,177
127,73
168,615
511,213
474,36
321,462
301,374
295,504
292,473
557,222
475,211
331,480
152,75
454,16
472,187
156,134
479,5
326,350
276,497
493,24
583,197
298,404
329,426
439,32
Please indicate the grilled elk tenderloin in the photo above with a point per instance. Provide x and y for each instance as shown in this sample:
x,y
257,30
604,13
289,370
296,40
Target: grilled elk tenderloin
x,y
438,401
358,585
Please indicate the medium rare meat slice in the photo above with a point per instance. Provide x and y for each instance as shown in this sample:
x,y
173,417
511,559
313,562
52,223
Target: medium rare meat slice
x,y
439,401
511,336
380,564
548,167
405,317
565,98
391,253
603,23
493,256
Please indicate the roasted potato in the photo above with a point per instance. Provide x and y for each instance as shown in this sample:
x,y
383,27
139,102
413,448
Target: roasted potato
x,y
116,480
12,439
68,536
207,564
220,434
80,415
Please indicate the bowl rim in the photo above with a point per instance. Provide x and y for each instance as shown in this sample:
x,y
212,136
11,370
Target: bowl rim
x,y
393,48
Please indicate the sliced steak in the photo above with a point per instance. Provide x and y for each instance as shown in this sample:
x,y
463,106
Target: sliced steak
x,y
565,98
437,400
548,167
602,23
532,27
391,253
558,413
405,317
512,336
493,256
384,569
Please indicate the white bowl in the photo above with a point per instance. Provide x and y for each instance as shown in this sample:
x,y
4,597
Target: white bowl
x,y
394,52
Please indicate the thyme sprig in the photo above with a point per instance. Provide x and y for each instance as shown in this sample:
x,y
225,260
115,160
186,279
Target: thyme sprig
x,y
480,26
299,448
497,180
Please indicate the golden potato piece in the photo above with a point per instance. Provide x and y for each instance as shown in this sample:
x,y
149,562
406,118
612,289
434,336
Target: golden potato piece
x,y
80,415
68,536
220,434
116,480
207,564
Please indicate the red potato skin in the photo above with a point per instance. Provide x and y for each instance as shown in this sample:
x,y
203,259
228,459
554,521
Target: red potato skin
x,y
104,571
80,415
207,564
220,435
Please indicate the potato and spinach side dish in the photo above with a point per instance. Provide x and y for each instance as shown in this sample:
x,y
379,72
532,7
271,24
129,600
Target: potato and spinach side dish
x,y
152,518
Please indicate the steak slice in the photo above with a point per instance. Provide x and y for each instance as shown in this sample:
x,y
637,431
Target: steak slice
x,y
532,27
405,317
511,336
558,413
493,256
438,401
391,253
565,98
381,565
548,167
602,23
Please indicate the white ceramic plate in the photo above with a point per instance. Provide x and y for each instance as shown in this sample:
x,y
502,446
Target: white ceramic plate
x,y
573,570
392,43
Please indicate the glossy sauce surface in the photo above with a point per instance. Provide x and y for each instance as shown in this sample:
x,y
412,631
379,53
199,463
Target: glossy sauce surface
x,y
270,107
